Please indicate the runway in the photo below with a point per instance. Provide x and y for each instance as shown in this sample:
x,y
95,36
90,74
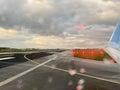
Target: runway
x,y
60,71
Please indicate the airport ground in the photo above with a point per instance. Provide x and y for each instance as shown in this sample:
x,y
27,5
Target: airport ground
x,y
56,71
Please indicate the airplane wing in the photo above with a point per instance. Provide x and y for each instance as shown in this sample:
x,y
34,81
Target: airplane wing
x,y
113,48
112,51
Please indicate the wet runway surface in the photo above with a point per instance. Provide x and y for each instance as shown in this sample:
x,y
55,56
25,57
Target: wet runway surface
x,y
59,72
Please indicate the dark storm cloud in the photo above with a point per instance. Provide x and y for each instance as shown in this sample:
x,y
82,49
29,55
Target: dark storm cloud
x,y
65,14
16,15
61,18
11,13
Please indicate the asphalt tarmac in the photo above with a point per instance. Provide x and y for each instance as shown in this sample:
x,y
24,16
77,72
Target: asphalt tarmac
x,y
59,71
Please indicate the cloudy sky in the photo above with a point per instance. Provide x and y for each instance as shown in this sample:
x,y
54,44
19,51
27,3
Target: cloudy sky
x,y
54,23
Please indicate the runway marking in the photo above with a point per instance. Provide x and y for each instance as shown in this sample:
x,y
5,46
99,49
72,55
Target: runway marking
x,y
90,76
6,58
85,75
116,76
106,76
25,72
30,60
6,55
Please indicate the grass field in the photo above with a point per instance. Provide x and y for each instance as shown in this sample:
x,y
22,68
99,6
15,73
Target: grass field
x,y
30,50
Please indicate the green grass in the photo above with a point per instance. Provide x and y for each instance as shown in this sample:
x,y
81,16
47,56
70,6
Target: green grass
x,y
3,51
27,50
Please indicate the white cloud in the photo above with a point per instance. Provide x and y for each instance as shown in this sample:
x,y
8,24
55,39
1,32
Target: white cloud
x,y
7,34
38,7
31,23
